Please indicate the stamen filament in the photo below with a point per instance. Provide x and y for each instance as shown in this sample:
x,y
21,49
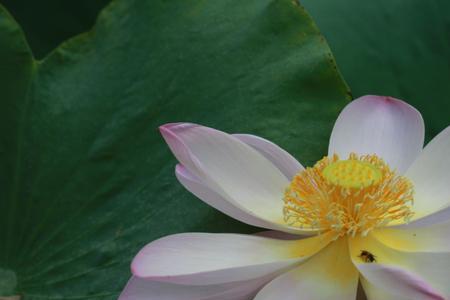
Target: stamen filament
x,y
349,197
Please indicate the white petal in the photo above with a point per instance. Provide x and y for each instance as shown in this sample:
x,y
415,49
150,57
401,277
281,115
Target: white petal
x,y
387,127
435,238
327,275
273,234
202,258
414,275
430,174
287,164
231,168
144,289
194,185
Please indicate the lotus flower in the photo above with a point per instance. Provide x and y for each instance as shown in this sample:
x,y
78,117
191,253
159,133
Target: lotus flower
x,y
375,210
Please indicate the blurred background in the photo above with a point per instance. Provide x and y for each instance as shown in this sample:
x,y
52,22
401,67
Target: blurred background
x,y
396,48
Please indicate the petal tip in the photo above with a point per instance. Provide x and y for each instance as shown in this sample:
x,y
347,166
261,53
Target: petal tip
x,y
134,267
139,263
381,99
387,101
176,126
179,168
166,128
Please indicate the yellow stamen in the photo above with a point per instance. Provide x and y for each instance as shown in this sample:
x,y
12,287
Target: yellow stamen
x,y
348,197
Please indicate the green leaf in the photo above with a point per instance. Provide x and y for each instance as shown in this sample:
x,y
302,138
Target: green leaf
x,y
86,179
397,48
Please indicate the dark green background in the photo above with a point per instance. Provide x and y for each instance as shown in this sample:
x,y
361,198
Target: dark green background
x,y
47,23
399,48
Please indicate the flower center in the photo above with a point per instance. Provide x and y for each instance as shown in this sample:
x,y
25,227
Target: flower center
x,y
352,174
348,197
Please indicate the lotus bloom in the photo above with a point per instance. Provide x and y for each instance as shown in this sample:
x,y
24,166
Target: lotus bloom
x,y
375,210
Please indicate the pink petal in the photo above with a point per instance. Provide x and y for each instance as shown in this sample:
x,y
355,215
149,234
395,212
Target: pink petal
x,y
231,168
430,174
287,164
202,258
387,127
144,289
